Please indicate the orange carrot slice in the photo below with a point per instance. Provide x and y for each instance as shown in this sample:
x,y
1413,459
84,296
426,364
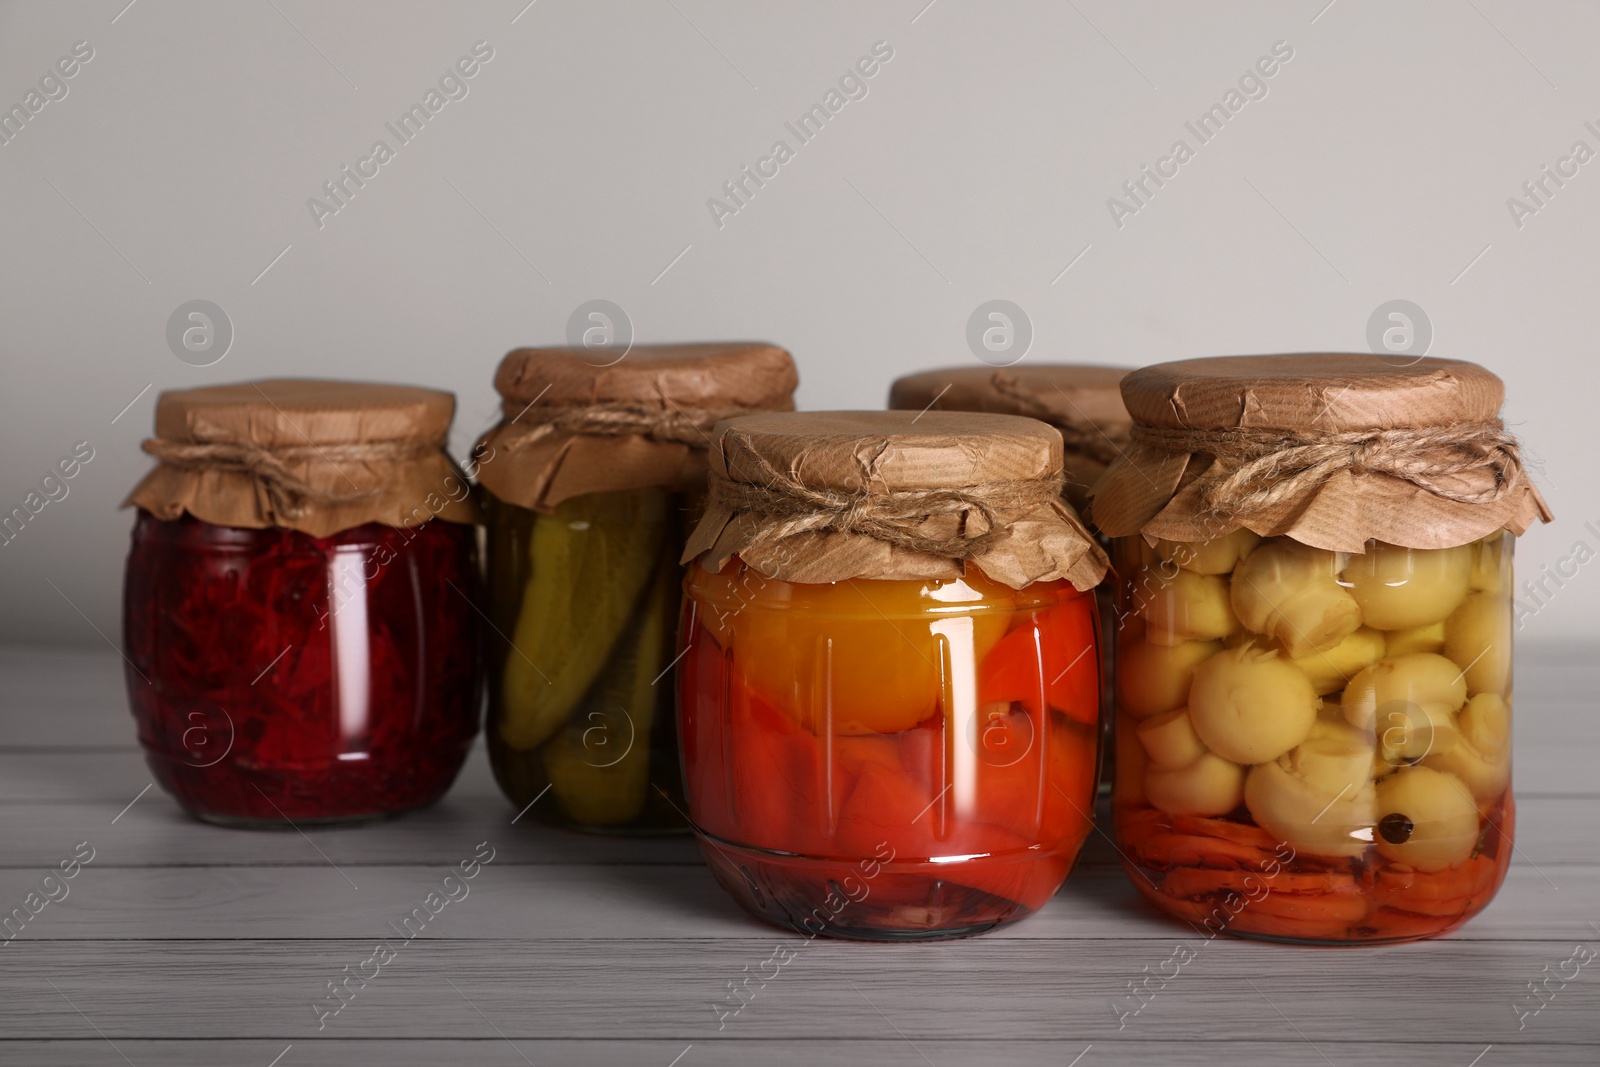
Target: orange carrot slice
x,y
1243,833
1403,888
1197,881
1188,850
1346,907
1253,922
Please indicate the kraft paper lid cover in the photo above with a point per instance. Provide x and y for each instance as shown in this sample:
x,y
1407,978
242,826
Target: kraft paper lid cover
x,y
1082,400
1330,449
574,423
304,454
825,496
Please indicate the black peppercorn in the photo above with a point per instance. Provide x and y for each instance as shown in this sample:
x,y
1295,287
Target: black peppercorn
x,y
1395,828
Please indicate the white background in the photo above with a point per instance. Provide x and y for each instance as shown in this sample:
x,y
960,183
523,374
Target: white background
x,y
1377,167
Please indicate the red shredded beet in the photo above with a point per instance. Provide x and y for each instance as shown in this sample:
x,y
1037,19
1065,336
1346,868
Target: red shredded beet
x,y
276,676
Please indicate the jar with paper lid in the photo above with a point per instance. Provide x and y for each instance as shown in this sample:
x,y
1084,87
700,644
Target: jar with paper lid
x,y
298,615
592,477
890,687
1082,400
1313,690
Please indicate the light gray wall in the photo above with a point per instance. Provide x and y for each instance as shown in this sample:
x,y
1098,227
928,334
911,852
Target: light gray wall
x,y
179,163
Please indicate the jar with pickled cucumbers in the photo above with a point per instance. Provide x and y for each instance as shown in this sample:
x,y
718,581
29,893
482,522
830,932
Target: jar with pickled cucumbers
x,y
298,612
592,478
889,694
1313,681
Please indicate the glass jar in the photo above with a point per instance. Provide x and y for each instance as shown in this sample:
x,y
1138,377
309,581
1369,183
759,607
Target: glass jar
x,y
587,596
1315,746
299,604
889,760
1313,670
1082,400
277,676
589,482
890,688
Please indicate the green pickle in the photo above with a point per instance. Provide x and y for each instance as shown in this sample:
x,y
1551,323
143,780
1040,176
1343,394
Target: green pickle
x,y
587,596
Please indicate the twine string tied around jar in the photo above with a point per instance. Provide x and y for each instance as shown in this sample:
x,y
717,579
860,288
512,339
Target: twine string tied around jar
x,y
675,423
1264,467
892,516
1079,433
291,494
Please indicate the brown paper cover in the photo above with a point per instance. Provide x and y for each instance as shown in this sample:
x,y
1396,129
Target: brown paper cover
x,y
1159,493
413,479
874,452
689,385
1081,400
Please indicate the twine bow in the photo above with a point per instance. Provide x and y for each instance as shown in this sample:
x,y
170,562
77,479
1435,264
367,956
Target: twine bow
x,y
1265,467
291,495
895,517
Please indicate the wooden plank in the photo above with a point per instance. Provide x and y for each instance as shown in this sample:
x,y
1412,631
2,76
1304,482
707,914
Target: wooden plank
x,y
113,772
613,902
1551,832
1068,992
890,1051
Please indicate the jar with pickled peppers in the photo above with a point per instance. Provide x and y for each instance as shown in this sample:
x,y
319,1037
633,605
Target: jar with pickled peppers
x,y
889,690
591,479
297,614
1313,686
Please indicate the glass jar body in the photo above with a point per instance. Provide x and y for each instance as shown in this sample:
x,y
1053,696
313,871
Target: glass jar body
x,y
278,676
1313,746
585,599
888,760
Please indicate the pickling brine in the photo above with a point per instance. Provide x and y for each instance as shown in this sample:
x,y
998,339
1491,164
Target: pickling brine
x,y
586,597
1340,720
942,732
590,482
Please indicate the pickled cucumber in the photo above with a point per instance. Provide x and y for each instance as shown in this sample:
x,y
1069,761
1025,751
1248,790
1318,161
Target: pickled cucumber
x,y
591,560
599,765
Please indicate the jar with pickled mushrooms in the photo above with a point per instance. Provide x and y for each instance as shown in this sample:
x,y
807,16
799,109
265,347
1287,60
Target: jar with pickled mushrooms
x,y
592,478
1313,643
889,693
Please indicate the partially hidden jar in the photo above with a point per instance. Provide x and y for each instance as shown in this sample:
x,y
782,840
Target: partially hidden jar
x,y
890,685
592,478
1313,683
1082,400
298,610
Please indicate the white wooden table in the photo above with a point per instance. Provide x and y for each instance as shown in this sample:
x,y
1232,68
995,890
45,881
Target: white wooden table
x,y
182,943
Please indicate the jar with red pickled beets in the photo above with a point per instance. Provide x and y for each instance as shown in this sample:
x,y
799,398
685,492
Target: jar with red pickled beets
x,y
299,608
889,693
1313,680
